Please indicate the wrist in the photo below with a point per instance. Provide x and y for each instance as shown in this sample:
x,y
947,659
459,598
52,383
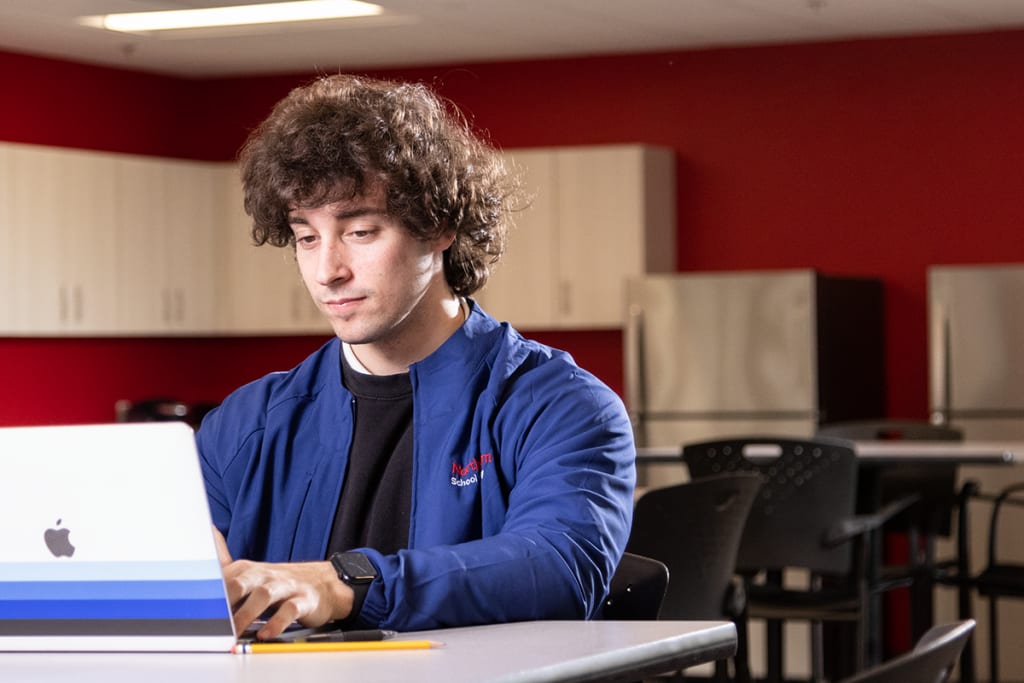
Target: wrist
x,y
341,594
356,573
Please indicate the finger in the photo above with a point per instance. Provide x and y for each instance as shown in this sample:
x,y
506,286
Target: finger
x,y
223,554
286,614
250,608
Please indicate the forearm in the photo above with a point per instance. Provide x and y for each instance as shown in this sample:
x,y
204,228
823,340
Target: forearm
x,y
552,559
499,579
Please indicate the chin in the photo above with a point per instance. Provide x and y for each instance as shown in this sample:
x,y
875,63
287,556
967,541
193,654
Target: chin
x,y
352,337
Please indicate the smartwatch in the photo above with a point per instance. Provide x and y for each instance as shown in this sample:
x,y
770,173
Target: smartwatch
x,y
357,572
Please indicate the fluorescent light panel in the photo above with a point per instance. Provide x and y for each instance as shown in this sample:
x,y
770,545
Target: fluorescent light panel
x,y
239,15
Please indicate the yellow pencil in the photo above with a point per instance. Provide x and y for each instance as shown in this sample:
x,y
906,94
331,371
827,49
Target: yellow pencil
x,y
344,646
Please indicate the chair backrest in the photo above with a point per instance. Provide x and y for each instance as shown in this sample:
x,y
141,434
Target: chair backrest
x,y
695,529
808,486
935,485
637,589
930,661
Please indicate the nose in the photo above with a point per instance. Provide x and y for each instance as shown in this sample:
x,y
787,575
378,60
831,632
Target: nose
x,y
332,263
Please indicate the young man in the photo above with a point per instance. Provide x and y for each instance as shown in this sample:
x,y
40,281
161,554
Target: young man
x,y
428,467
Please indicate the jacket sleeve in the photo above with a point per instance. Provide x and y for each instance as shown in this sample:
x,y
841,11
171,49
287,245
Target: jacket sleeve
x,y
561,482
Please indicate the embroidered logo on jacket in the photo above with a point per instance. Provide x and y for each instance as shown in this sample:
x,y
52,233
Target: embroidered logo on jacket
x,y
471,473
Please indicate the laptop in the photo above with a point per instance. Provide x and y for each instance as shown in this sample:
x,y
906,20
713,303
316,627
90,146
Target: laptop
x,y
106,542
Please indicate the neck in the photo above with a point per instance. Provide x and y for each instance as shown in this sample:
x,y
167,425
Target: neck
x,y
394,356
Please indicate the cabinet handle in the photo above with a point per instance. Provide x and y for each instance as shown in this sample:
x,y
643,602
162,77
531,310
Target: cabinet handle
x,y
165,307
79,304
62,305
179,305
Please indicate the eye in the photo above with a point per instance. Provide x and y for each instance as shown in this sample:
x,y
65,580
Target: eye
x,y
361,234
307,240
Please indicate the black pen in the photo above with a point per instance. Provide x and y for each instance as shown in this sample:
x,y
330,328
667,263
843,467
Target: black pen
x,y
348,636
314,636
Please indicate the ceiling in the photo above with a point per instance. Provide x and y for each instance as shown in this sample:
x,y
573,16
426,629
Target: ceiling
x,y
430,32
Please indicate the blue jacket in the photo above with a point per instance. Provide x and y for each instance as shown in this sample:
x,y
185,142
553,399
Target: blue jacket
x,y
523,479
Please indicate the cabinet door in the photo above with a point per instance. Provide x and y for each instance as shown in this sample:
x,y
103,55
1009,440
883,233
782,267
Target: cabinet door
x,y
145,305
616,219
521,287
61,213
602,214
7,228
167,219
262,290
190,246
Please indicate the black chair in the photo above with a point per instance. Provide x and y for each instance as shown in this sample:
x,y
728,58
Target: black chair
x,y
695,529
637,589
929,518
999,578
804,517
931,660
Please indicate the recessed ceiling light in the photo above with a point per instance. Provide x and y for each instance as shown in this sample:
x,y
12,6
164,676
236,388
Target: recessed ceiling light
x,y
239,15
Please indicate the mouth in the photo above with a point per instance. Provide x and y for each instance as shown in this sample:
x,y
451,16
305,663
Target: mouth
x,y
342,303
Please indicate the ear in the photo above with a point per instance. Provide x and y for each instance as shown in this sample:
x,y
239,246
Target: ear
x,y
444,240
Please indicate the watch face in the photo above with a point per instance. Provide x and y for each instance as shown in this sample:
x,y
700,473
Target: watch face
x,y
355,567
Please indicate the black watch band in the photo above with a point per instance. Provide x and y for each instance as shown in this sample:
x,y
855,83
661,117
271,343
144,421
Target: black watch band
x,y
357,572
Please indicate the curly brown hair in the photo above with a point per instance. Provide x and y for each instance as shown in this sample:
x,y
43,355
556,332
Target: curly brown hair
x,y
340,136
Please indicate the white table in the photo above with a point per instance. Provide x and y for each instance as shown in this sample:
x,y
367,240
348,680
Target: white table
x,y
890,452
953,452
525,652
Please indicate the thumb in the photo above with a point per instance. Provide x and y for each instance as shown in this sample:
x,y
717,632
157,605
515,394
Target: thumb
x,y
223,554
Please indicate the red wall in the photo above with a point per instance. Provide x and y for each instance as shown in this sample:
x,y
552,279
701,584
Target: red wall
x,y
868,157
52,102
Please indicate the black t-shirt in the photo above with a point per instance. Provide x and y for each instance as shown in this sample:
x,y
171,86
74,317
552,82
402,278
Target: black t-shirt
x,y
373,511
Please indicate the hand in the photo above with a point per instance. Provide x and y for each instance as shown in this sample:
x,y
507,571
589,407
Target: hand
x,y
308,592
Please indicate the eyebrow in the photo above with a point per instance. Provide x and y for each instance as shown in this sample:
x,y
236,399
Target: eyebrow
x,y
349,213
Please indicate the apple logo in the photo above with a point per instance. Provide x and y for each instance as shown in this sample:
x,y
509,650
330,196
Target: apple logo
x,y
58,543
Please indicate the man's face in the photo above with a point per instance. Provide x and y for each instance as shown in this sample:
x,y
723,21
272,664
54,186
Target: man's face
x,y
369,276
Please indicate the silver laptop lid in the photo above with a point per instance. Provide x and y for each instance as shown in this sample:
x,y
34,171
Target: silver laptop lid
x,y
106,541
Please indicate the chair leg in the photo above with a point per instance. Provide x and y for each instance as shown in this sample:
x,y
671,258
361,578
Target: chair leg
x,y
721,671
922,590
817,652
968,674
917,570
741,662
773,651
993,641
861,645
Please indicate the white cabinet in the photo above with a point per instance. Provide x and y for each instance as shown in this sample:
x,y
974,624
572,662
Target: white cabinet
x,y
167,217
524,285
99,243
262,290
6,247
600,214
59,228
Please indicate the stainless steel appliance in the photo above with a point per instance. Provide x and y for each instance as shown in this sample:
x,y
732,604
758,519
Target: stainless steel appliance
x,y
976,384
747,353
976,349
